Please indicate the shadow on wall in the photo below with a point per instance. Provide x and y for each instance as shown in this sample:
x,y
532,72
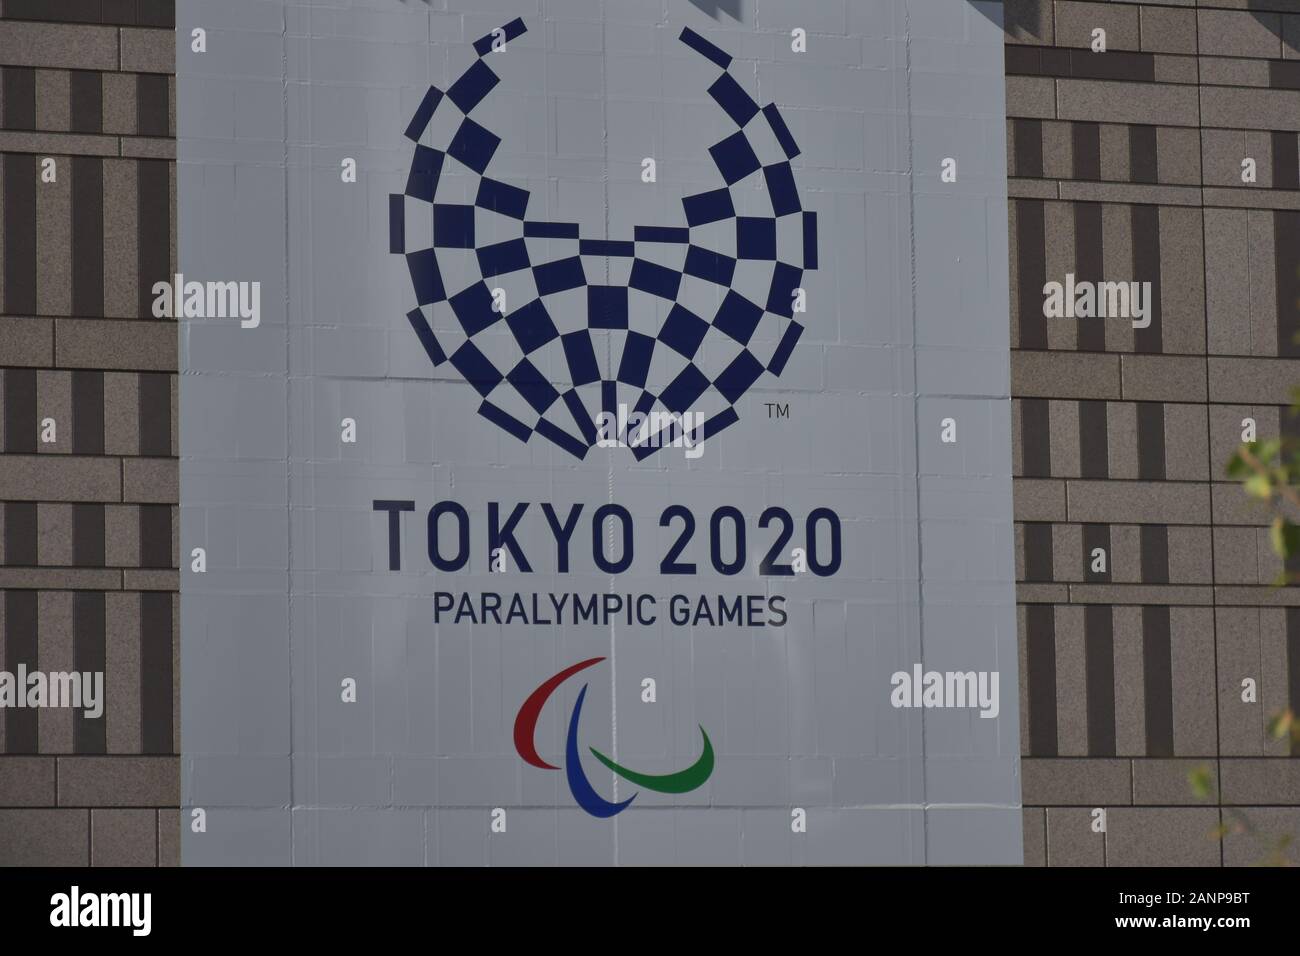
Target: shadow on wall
x,y
1265,11
994,11
715,8
1024,18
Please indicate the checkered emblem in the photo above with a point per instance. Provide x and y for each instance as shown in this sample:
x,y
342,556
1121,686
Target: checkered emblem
x,y
673,319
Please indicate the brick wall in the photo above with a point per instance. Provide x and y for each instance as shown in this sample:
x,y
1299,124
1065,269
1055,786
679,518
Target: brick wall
x,y
87,522
1126,165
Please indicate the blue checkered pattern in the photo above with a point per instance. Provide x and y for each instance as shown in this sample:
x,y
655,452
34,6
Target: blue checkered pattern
x,y
523,399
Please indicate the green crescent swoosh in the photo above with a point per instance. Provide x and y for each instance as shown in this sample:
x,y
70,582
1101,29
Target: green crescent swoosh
x,y
679,782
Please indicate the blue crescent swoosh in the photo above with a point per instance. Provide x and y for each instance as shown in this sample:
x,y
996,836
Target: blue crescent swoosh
x,y
581,787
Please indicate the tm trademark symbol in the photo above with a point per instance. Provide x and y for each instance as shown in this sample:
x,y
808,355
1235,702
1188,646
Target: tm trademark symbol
x,y
777,409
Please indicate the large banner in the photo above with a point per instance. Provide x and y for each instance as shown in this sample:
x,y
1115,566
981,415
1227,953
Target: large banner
x,y
595,433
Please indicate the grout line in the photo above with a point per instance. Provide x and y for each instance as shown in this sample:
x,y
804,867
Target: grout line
x,y
1209,446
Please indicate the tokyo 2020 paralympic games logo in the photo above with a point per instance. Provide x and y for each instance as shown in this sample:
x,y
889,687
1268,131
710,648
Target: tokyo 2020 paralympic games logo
x,y
687,316
683,781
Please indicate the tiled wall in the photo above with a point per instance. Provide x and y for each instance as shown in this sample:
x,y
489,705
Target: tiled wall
x,y
1127,165
87,521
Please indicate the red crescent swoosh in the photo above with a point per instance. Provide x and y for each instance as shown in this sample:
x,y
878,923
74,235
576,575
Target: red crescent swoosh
x,y
526,719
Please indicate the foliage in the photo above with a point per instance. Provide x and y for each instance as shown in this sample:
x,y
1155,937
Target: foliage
x,y
1269,471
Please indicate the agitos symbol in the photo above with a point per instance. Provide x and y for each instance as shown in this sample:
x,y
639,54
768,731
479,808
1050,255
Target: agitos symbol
x,y
683,781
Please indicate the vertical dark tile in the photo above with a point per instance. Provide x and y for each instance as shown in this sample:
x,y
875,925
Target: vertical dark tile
x,y
1028,136
1284,74
19,175
154,212
1096,536
1040,675
1154,548
87,236
87,412
155,414
1286,254
1286,161
1086,142
1022,61
1293,669
88,535
88,653
1289,421
1089,267
1035,438
1143,164
21,723
122,12
1054,61
155,536
1038,551
86,93
1116,65
1151,440
64,11
20,534
1031,270
83,11
156,671
20,411
18,89
1094,445
1157,681
157,13
151,104
1146,268
1099,671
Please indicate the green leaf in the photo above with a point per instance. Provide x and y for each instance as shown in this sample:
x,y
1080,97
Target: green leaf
x,y
1237,467
1284,536
1259,486
1201,782
1279,725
